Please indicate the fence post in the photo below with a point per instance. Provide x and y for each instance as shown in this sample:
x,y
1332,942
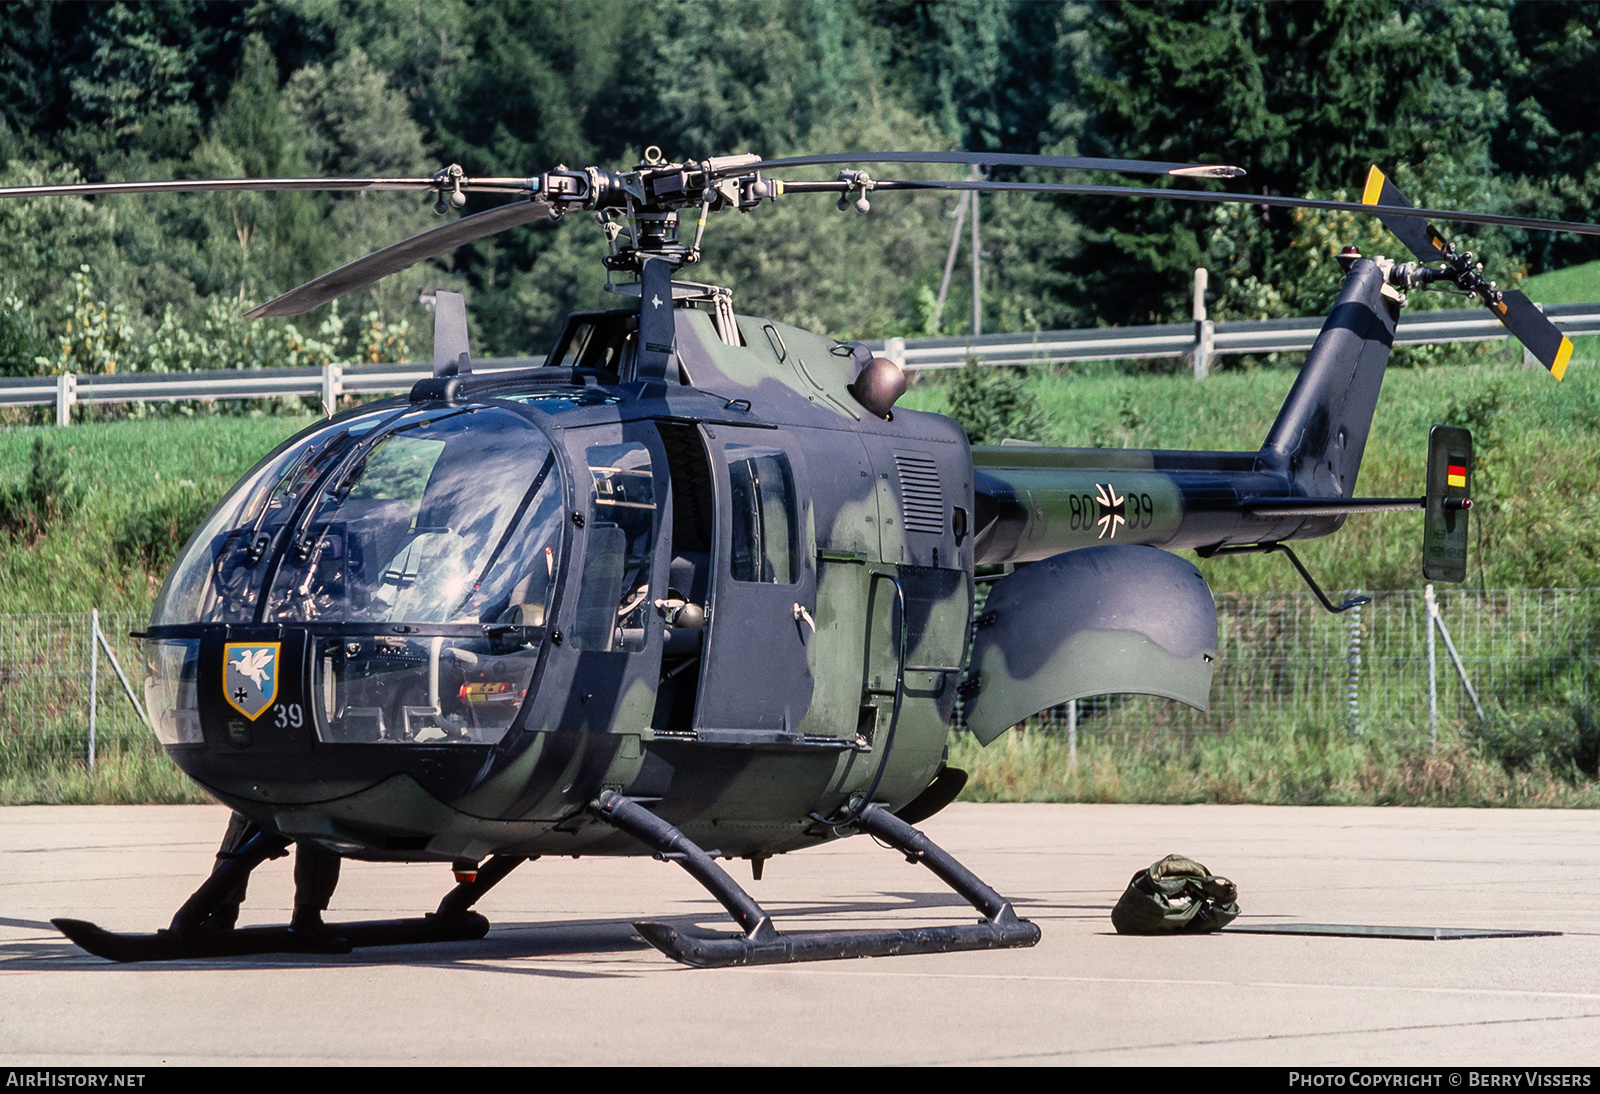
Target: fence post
x,y
1461,670
332,387
94,677
1204,332
66,396
895,350
1352,688
1072,732
1433,670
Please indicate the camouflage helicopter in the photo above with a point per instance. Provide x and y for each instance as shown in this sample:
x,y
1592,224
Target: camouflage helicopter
x,y
696,588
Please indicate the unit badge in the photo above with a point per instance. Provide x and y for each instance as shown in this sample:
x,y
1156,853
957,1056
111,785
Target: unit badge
x,y
250,676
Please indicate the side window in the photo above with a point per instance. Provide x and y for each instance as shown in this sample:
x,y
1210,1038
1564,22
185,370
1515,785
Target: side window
x,y
614,606
573,351
766,539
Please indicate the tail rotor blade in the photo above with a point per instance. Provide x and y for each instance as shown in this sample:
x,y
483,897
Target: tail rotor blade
x,y
1533,329
1514,310
1417,234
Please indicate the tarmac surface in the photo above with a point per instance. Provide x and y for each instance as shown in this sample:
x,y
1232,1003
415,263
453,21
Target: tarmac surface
x,y
563,979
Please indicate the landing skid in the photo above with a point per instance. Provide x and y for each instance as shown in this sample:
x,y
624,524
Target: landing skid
x,y
190,937
762,944
334,938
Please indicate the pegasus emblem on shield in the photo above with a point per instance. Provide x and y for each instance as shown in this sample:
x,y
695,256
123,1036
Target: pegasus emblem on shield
x,y
250,676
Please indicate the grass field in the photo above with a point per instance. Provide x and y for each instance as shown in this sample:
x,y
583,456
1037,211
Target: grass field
x,y
120,472
1573,285
1537,525
1269,769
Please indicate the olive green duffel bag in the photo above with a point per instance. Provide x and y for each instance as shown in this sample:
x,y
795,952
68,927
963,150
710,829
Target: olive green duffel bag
x,y
1176,895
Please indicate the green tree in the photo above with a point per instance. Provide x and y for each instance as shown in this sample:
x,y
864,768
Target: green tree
x,y
993,404
1303,96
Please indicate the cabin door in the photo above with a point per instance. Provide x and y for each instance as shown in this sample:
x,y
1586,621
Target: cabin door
x,y
756,683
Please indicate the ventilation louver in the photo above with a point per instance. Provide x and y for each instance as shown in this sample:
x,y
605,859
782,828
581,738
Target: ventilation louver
x,y
921,496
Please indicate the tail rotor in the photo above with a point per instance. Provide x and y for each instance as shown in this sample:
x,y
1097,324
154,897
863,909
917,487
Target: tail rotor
x,y
1515,311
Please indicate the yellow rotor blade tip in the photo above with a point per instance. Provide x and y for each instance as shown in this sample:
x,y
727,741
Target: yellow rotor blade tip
x,y
1558,369
1369,196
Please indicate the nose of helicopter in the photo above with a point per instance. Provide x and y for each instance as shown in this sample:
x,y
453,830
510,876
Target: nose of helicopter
x,y
370,601
296,714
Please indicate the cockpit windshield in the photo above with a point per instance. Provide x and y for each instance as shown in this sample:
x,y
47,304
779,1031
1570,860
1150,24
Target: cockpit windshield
x,y
423,516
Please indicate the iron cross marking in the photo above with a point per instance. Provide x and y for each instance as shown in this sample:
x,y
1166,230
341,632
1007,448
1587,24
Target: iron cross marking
x,y
1112,510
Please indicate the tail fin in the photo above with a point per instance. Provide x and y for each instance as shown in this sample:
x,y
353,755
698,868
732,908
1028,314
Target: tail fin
x,y
1321,432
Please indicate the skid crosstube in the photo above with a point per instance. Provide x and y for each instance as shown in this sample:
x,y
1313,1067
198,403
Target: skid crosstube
x,y
189,938
762,944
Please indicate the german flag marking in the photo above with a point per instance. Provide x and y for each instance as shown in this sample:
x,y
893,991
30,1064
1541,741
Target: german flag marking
x,y
1558,367
1457,475
1374,189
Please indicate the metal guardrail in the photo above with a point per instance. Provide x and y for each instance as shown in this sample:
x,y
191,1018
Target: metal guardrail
x,y
1201,340
1188,339
328,383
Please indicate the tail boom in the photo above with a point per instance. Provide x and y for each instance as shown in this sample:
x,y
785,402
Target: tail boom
x,y
1035,502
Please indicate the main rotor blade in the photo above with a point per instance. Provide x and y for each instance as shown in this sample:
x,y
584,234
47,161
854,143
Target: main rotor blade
x,y
394,258
1213,196
202,186
1005,159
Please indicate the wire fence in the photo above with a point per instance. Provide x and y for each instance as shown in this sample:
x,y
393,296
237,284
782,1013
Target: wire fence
x,y
47,673
1523,658
1283,664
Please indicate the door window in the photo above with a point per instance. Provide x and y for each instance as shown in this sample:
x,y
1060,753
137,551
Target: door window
x,y
614,605
766,542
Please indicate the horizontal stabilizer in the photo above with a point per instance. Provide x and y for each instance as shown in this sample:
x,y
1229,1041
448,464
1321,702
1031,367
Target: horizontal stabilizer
x,y
1444,529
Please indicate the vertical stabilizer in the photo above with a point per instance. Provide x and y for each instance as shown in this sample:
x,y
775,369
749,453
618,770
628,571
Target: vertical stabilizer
x,y
1321,432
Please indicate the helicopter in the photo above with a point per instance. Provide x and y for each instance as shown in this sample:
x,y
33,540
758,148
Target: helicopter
x,y
695,587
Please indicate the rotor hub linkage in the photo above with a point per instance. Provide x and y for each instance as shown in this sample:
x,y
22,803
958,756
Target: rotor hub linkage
x,y
447,184
857,183
1459,268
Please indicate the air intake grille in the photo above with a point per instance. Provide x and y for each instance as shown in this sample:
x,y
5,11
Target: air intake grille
x,y
921,497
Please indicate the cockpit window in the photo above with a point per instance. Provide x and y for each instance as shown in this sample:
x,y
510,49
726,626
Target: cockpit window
x,y
455,518
219,575
423,515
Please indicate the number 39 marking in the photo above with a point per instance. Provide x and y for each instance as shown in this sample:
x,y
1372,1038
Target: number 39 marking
x,y
288,715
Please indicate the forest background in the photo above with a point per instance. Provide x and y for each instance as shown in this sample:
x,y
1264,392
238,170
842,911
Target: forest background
x,y
1488,105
